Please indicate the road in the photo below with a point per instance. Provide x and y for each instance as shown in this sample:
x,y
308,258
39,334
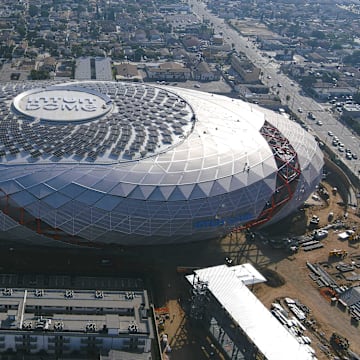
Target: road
x,y
272,77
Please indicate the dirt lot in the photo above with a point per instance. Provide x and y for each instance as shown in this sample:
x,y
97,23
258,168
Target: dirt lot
x,y
293,269
290,267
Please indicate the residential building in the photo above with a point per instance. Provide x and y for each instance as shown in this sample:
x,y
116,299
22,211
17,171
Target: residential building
x,y
171,71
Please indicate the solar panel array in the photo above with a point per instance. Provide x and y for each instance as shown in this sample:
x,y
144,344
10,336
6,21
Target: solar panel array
x,y
144,121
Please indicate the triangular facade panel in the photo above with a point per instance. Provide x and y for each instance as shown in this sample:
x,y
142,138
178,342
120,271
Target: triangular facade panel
x,y
40,190
206,187
72,190
217,189
137,194
10,187
56,200
166,191
147,190
177,195
89,197
23,198
197,193
108,202
187,190
157,195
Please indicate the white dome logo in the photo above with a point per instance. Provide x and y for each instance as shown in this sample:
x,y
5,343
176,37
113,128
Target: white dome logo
x,y
62,104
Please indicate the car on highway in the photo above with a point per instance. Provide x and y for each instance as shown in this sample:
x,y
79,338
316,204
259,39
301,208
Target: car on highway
x,y
311,115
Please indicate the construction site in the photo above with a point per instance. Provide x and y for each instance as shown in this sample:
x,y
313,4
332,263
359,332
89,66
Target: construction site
x,y
311,260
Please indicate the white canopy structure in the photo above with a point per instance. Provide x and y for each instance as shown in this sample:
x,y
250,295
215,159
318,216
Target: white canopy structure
x,y
246,310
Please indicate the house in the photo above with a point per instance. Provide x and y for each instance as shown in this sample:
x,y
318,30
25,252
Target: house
x,y
202,72
154,36
126,72
170,71
140,36
191,43
218,40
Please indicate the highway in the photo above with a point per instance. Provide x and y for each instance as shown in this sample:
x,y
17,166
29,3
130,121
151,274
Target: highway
x,y
285,87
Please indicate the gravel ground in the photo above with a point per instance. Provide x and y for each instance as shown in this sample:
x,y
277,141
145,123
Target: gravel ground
x,y
299,285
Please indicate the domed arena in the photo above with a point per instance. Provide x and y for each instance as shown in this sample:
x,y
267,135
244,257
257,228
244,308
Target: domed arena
x,y
97,164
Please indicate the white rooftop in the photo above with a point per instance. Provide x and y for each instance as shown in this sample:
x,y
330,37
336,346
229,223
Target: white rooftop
x,y
248,274
264,330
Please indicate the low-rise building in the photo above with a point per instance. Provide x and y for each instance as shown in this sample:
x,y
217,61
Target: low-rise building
x,y
93,68
126,72
170,71
245,69
351,111
61,322
203,72
324,92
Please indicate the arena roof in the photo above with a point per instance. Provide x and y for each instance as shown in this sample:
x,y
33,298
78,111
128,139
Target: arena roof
x,y
264,330
178,144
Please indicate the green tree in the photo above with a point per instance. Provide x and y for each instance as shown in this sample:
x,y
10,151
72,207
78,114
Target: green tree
x,y
77,50
307,81
139,53
39,75
44,13
318,34
33,10
20,28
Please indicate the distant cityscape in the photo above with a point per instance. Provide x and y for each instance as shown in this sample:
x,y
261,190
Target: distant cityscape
x,y
164,41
